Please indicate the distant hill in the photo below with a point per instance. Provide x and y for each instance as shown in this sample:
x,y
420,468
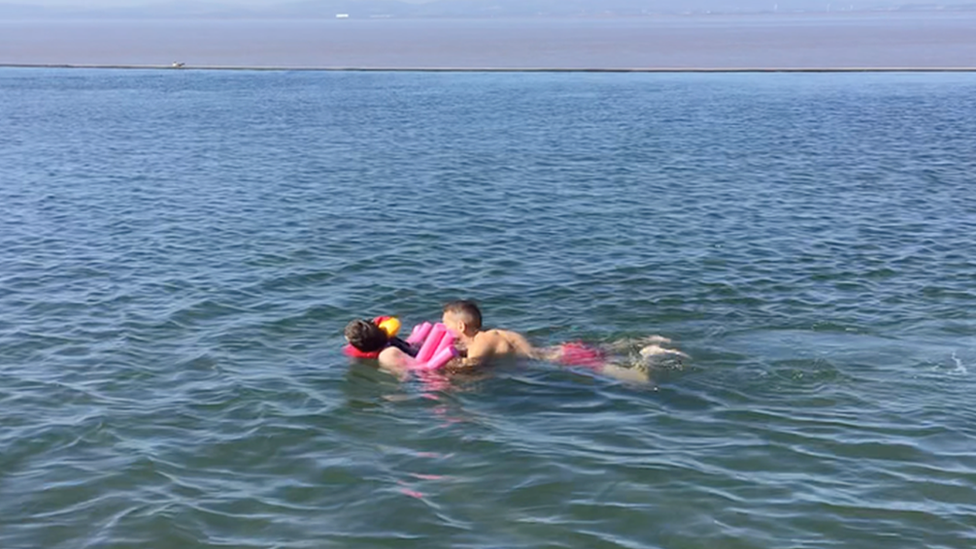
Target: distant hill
x,y
469,8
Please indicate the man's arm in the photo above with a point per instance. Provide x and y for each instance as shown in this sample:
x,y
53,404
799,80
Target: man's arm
x,y
478,353
521,346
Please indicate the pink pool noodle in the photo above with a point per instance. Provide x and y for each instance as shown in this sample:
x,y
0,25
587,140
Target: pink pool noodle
x,y
444,352
447,340
419,333
431,343
440,359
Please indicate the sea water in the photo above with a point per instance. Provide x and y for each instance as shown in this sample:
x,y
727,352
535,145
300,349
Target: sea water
x,y
179,252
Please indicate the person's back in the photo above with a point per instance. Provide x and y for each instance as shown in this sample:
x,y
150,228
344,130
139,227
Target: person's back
x,y
490,344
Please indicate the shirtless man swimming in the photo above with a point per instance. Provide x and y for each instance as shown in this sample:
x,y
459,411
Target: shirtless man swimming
x,y
479,347
463,319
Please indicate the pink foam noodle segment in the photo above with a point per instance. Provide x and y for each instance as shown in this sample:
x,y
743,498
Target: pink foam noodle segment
x,y
447,340
430,344
419,333
440,359
443,353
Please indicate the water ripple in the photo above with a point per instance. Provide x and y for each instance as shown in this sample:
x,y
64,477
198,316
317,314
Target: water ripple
x,y
179,254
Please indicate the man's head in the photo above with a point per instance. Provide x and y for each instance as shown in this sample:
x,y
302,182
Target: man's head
x,y
366,336
462,317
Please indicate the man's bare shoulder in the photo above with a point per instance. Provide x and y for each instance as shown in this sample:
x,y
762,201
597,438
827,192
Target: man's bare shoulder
x,y
488,334
505,342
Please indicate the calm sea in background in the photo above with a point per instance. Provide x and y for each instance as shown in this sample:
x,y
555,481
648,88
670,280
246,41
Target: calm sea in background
x,y
179,251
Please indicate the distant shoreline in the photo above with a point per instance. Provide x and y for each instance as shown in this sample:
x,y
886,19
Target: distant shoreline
x,y
488,69
902,44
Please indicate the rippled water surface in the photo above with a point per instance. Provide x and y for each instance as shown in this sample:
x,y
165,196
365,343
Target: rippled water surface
x,y
179,252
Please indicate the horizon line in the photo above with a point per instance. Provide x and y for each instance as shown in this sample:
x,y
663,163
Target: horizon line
x,y
184,67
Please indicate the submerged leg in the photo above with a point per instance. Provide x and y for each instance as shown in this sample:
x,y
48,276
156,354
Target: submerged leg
x,y
632,375
655,350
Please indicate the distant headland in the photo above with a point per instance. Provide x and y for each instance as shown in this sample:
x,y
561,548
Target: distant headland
x,y
837,41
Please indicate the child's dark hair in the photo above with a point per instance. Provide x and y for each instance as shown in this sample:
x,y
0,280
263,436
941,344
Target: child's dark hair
x,y
366,336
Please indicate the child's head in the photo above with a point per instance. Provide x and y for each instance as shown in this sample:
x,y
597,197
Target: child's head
x,y
462,317
365,336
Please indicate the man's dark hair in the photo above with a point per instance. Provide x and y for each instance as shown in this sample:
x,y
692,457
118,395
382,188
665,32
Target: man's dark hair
x,y
366,336
467,310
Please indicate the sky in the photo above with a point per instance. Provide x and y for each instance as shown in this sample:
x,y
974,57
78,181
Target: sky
x,y
122,3
116,3
449,8
267,3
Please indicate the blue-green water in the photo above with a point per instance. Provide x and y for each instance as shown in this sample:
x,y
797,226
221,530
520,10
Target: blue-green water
x,y
179,252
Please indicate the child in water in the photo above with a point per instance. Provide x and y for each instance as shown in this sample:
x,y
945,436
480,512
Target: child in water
x,y
367,338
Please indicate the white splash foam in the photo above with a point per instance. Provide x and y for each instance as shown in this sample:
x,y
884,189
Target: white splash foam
x,y
960,367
